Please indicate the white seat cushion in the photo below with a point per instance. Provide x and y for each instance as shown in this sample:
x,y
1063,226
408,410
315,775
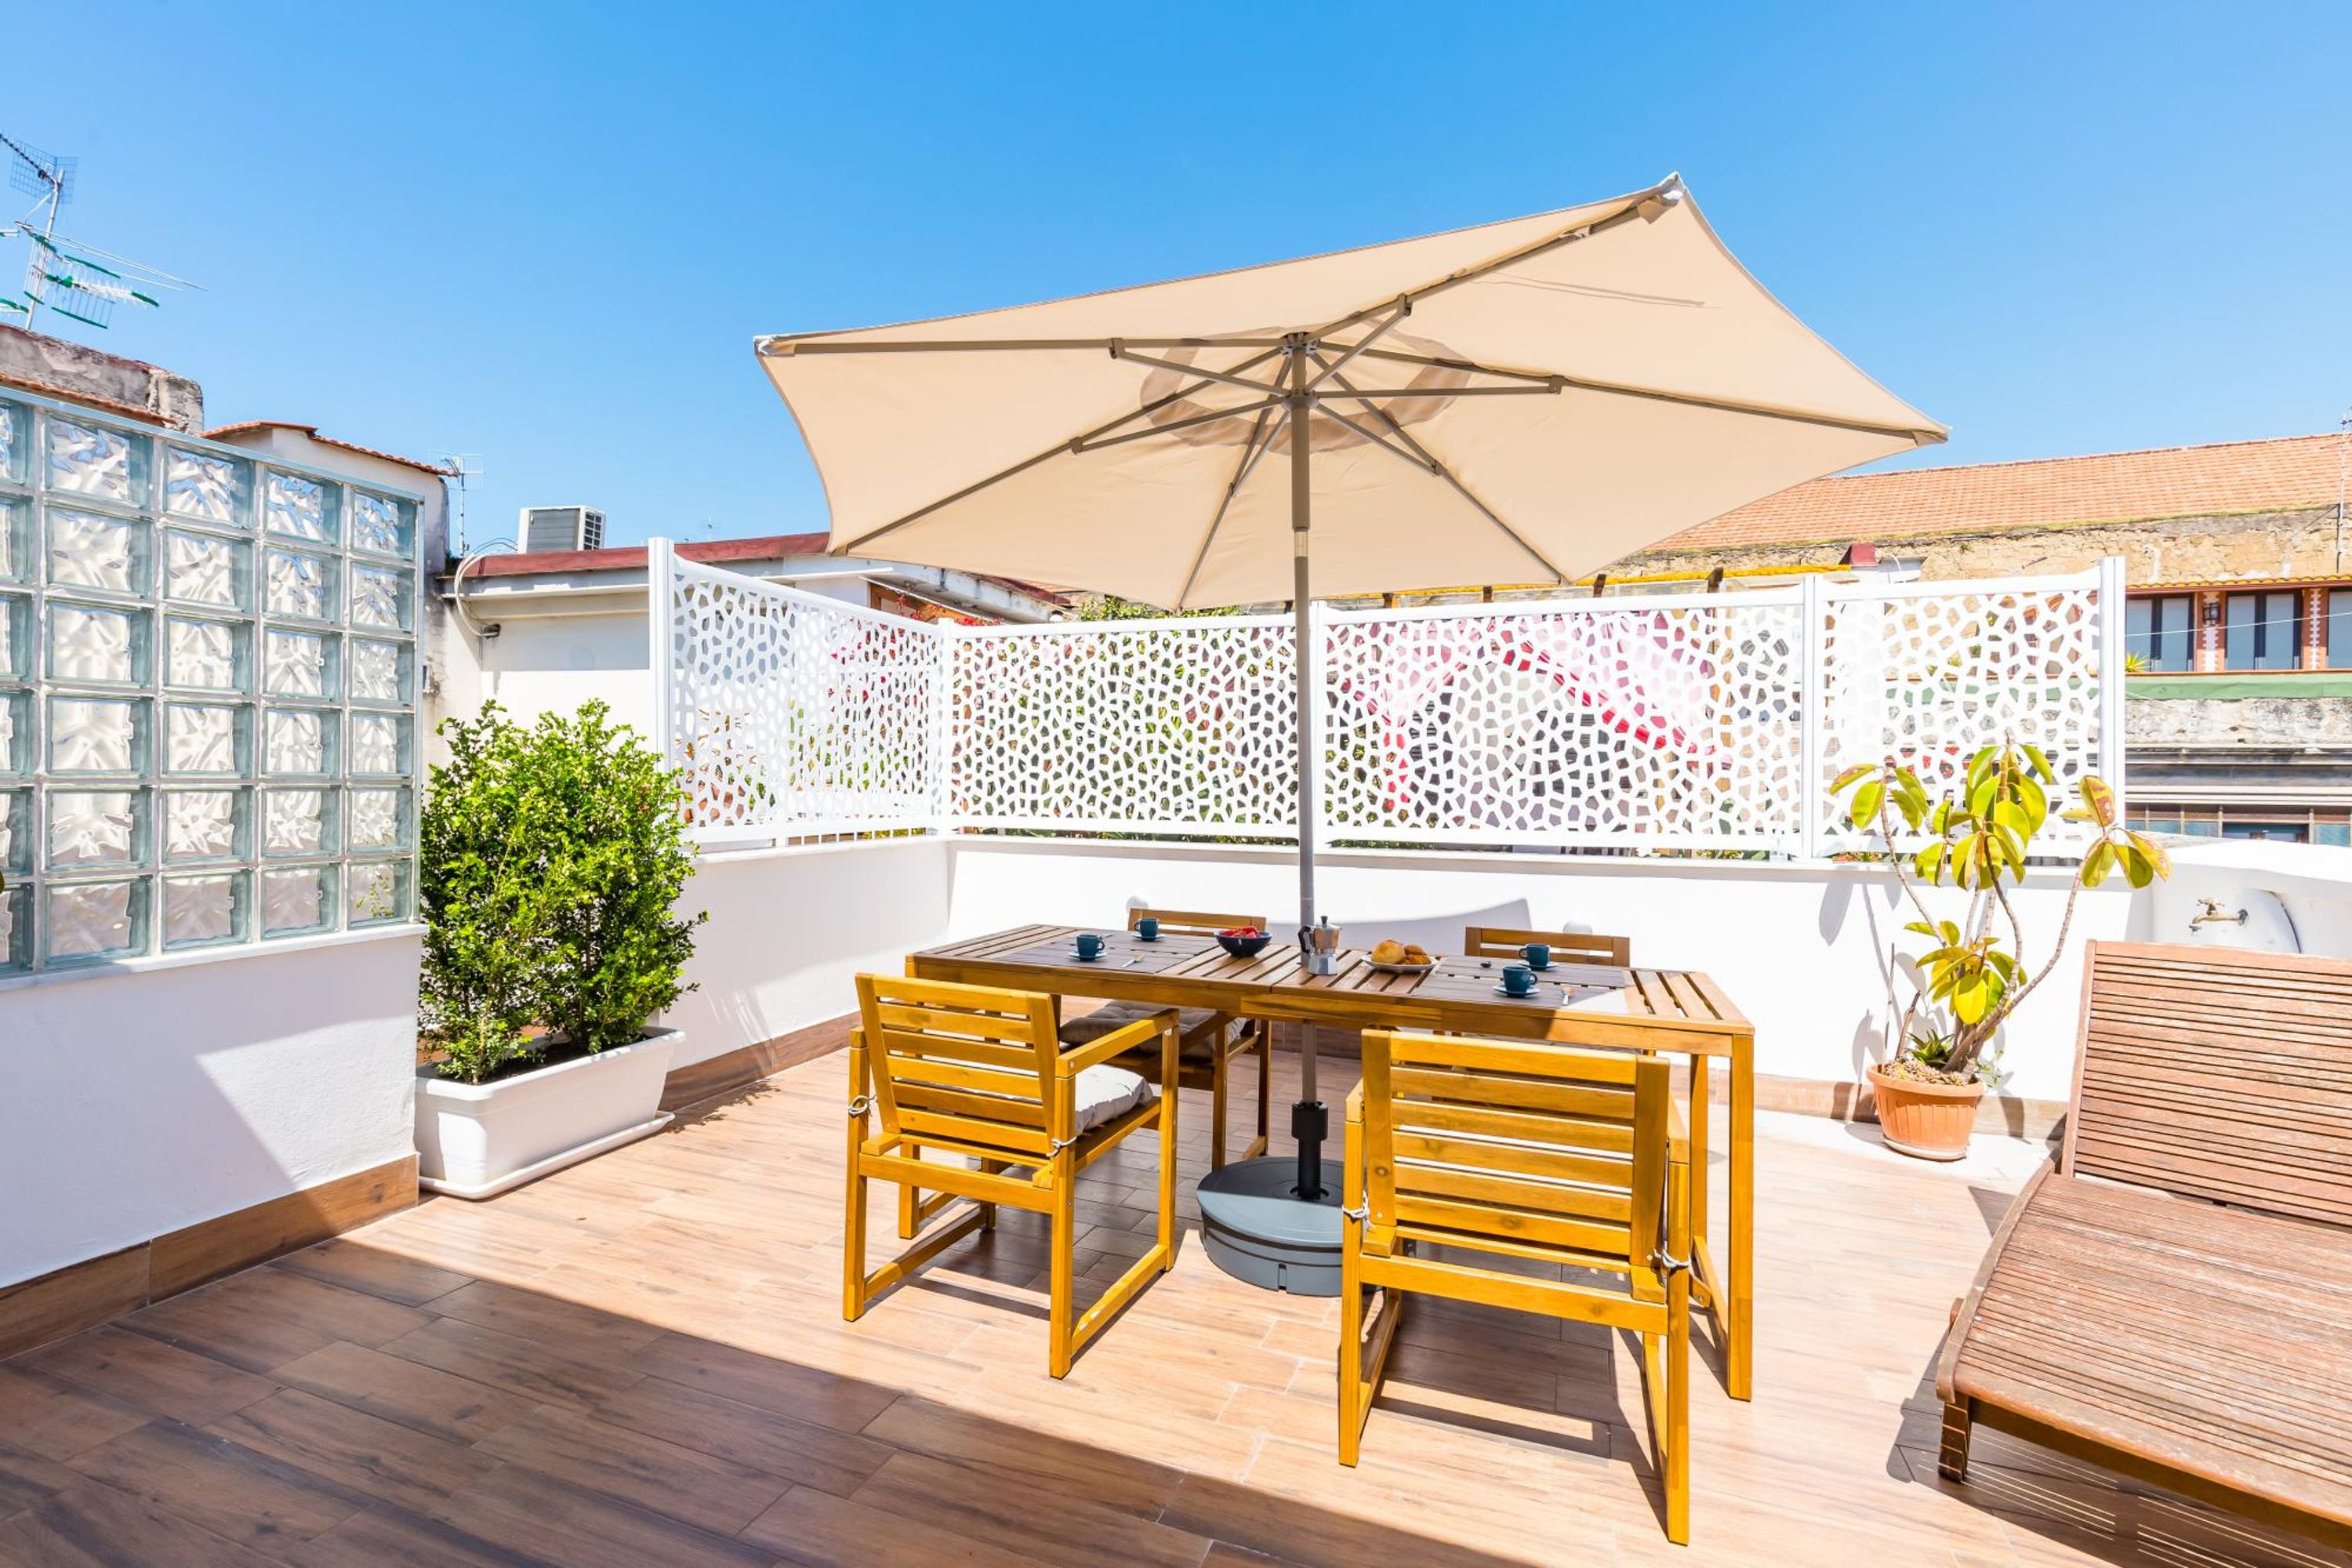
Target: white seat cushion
x,y
1103,1092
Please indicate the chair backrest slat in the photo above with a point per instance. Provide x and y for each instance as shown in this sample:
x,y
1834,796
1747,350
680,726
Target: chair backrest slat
x,y
1510,1145
971,1064
1192,923
1576,946
2216,1074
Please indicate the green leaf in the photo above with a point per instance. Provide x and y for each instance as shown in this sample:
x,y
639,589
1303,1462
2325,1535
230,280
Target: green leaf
x,y
2098,863
1845,780
1864,813
2042,769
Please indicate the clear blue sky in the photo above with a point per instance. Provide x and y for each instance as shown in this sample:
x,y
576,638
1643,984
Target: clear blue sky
x,y
548,235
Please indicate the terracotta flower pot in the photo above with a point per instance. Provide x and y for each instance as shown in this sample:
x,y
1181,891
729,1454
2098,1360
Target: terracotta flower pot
x,y
1925,1121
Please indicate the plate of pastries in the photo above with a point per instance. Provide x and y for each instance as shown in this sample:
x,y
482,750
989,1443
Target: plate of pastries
x,y
1394,957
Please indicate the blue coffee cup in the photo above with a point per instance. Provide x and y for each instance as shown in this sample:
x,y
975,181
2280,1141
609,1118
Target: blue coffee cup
x,y
1089,944
1538,954
1148,929
1518,979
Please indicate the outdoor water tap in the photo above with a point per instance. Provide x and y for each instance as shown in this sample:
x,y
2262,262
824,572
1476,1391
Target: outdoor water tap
x,y
2213,914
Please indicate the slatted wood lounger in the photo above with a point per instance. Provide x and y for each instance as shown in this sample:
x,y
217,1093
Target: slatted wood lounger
x,y
2172,1297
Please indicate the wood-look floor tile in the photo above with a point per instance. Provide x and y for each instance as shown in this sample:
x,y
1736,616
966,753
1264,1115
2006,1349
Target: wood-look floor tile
x,y
792,1451
56,1419
366,1453
529,1367
685,1483
95,1526
148,1373
356,1263
387,1537
238,1493
1136,1485
527,1511
264,1318
992,1504
26,1478
816,1530
535,1315
405,1392
749,1377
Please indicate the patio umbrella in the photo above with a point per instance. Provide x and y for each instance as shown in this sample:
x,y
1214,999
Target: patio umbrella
x,y
1516,403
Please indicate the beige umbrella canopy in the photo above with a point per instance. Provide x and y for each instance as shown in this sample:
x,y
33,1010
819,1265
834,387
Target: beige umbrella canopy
x,y
1522,402
1517,403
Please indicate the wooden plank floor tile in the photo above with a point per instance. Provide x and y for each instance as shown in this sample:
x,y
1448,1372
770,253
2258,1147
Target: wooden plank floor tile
x,y
366,1453
95,1526
403,1392
685,1483
798,1452
237,1493
56,1419
552,1523
146,1371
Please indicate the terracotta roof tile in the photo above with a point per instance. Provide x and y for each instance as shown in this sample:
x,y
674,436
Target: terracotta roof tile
x,y
632,557
2282,473
218,431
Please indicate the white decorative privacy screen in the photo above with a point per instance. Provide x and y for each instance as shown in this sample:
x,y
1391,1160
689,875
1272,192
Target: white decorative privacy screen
x,y
207,695
1695,721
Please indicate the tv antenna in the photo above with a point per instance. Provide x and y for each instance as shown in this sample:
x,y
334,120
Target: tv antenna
x,y
465,467
79,281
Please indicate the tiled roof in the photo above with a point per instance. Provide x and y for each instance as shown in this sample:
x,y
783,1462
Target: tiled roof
x,y
241,425
632,557
2283,474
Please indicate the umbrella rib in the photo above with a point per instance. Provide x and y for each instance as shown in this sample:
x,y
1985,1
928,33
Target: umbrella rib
x,y
1403,309
1096,444
1120,351
1261,441
1464,491
1055,450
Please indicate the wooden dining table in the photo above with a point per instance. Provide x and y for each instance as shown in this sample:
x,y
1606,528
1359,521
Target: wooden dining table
x,y
1671,1012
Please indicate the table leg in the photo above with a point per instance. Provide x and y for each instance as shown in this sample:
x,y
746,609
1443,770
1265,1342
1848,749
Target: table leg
x,y
1702,1085
1739,1357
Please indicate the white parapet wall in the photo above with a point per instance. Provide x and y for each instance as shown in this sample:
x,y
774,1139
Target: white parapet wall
x,y
141,1103
1803,949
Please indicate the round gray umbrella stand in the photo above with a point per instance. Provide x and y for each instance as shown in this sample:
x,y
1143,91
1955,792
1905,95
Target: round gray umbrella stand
x,y
1257,1228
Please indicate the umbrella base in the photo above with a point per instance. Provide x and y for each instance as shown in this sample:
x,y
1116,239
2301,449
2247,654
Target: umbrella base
x,y
1258,1229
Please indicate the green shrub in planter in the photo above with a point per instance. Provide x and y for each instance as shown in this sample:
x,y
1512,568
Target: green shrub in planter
x,y
550,858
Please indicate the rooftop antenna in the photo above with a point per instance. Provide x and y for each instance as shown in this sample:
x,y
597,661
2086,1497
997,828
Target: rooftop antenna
x,y
79,281
464,466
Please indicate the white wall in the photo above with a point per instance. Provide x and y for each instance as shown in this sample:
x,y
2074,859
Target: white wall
x,y
2297,897
553,664
141,1102
1801,949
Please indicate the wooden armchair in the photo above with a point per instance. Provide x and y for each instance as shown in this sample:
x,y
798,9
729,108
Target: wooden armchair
x,y
1212,1041
2171,1298
1575,946
1524,1152
975,1072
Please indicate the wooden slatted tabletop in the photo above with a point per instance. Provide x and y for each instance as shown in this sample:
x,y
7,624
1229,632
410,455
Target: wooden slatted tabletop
x,y
1670,1011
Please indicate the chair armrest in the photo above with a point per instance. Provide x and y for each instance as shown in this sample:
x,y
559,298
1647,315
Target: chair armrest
x,y
1142,1032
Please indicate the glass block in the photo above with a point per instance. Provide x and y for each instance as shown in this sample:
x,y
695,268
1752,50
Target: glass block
x,y
298,822
15,830
300,585
16,544
205,824
298,899
88,551
92,830
300,741
379,598
207,738
16,436
16,636
379,671
92,643
16,929
205,911
206,569
98,734
91,921
379,744
298,508
379,819
93,460
382,526
211,655
16,733
375,892
205,485
298,664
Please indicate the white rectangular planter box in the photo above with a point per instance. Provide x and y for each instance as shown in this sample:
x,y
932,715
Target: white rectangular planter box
x,y
479,1139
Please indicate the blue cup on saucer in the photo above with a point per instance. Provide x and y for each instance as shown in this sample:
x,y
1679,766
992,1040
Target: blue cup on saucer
x,y
1518,979
1089,944
1147,928
1538,954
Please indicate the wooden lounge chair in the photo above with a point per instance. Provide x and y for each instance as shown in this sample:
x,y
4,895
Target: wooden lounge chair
x,y
1574,946
1212,1041
2172,1296
974,1072
1529,1152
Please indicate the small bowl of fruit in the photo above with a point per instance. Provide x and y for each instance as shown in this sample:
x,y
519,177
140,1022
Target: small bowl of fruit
x,y
1244,941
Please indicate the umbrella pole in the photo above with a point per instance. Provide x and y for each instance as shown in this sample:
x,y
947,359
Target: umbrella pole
x,y
1308,1120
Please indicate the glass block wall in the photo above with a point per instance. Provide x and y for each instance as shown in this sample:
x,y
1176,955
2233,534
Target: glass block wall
x,y
207,695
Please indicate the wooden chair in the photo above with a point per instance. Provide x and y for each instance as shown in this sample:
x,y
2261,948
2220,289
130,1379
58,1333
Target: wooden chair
x,y
976,1072
1212,1041
1575,946
1528,1151
2172,1296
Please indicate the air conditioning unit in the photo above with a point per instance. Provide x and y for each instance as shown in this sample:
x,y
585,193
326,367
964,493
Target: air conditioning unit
x,y
560,528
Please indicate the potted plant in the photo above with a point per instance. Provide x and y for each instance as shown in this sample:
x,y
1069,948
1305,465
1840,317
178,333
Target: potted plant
x,y
550,858
1973,974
